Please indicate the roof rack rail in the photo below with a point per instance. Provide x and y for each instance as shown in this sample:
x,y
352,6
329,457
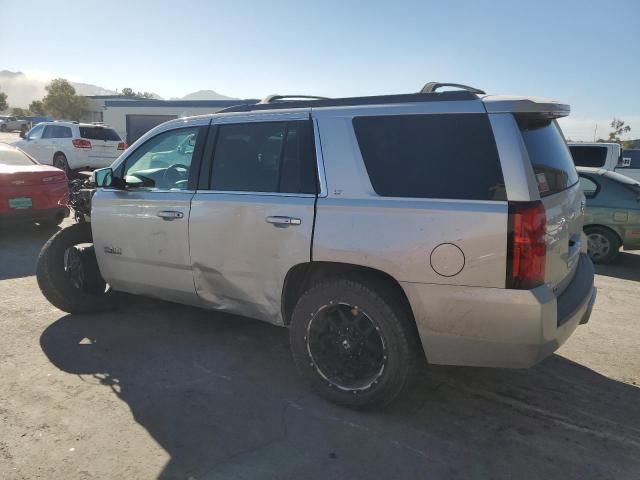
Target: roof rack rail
x,y
431,87
279,98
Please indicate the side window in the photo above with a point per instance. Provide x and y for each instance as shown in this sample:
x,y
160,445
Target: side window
x,y
36,132
163,162
449,156
265,157
589,187
49,132
64,132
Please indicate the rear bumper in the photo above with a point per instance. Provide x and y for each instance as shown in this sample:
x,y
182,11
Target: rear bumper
x,y
493,327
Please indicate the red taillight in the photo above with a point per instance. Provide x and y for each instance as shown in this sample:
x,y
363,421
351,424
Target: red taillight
x,y
527,245
122,146
81,143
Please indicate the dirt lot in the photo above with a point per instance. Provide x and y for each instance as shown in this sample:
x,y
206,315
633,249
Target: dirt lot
x,y
165,391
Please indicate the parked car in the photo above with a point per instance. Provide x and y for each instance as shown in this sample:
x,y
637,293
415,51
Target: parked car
x,y
72,146
380,230
30,192
604,155
12,124
612,218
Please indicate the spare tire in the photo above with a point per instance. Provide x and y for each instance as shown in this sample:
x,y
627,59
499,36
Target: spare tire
x,y
68,274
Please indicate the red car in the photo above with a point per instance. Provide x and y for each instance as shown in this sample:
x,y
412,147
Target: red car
x,y
29,191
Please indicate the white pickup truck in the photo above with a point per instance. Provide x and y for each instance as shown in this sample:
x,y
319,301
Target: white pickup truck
x,y
12,124
608,156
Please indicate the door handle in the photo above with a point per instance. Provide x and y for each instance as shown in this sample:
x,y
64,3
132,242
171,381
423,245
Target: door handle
x,y
170,214
280,221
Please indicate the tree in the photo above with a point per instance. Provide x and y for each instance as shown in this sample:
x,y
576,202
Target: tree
x,y
3,101
128,92
37,107
619,129
61,100
19,112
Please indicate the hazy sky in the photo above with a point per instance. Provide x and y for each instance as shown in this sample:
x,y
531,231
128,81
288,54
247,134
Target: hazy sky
x,y
584,52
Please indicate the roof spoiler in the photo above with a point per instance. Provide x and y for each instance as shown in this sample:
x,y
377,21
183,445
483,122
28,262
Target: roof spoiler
x,y
542,107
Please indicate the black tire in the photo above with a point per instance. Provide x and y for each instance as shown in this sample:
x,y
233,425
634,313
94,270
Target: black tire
x,y
3,127
603,244
60,161
393,323
24,128
56,284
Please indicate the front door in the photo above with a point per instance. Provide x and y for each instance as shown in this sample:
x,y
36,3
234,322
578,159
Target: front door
x,y
31,144
141,230
252,219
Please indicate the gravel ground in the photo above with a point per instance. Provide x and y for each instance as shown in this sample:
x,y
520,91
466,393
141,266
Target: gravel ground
x,y
165,391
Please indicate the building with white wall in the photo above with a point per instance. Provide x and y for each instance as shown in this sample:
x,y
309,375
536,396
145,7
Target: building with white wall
x,y
132,117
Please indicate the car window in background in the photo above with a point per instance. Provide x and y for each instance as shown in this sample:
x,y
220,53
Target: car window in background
x,y
589,187
431,156
10,156
99,133
35,133
56,131
550,158
584,156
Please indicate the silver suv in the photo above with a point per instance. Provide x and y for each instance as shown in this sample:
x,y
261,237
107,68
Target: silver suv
x,y
383,231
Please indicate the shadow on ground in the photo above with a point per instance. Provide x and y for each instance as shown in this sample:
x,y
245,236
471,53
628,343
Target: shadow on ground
x,y
220,394
19,248
626,266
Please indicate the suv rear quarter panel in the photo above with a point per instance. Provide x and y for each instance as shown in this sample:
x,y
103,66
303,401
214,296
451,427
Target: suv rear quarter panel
x,y
398,235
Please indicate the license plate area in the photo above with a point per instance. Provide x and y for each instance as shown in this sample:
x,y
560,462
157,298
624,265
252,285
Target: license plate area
x,y
20,203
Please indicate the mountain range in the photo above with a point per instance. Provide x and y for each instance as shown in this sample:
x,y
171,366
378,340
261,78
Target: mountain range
x,y
21,90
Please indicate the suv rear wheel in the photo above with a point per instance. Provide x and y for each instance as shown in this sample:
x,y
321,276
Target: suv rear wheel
x,y
354,342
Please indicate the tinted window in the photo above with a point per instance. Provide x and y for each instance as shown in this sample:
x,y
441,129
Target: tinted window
x,y
10,156
164,161
99,133
431,156
589,187
549,155
264,157
35,133
584,156
56,131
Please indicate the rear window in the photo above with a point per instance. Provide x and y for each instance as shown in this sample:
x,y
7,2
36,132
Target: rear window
x,y
549,155
14,158
584,156
431,156
99,133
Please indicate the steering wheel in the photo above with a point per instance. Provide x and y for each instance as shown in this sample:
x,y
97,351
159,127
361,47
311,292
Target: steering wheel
x,y
175,173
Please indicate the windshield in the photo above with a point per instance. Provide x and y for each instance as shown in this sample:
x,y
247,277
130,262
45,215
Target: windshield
x,y
14,157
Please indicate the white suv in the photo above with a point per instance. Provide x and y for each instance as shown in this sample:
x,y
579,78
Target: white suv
x,y
72,146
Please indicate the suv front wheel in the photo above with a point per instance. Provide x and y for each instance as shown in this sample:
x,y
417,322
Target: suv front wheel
x,y
354,342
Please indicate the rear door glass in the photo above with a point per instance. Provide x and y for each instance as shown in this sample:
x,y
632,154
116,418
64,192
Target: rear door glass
x,y
584,156
99,133
550,158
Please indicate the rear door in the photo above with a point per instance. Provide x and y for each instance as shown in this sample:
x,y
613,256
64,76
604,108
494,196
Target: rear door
x,y
104,145
252,216
557,181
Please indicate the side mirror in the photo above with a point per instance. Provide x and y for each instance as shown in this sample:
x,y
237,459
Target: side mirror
x,y
23,134
103,177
